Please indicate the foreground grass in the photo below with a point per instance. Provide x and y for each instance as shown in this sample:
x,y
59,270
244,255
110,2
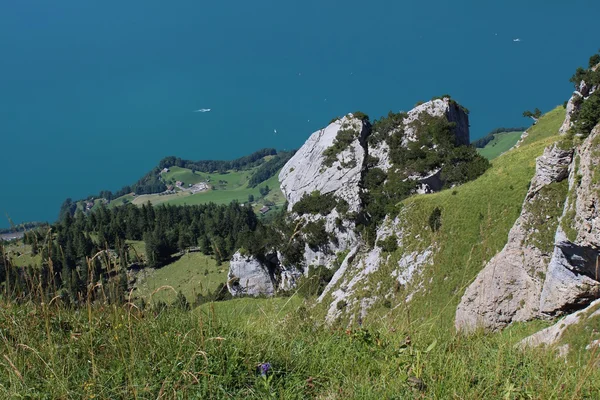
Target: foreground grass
x,y
502,142
214,352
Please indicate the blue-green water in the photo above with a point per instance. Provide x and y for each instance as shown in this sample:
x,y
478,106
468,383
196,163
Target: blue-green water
x,y
94,93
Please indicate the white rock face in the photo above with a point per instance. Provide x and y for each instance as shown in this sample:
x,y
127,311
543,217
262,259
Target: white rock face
x,y
571,110
344,234
356,269
509,287
249,276
523,282
306,172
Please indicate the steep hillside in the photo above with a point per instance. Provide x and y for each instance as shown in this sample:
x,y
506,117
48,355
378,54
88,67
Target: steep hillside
x,y
549,265
346,181
431,267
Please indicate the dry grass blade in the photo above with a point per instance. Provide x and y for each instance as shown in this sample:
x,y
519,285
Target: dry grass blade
x,y
15,370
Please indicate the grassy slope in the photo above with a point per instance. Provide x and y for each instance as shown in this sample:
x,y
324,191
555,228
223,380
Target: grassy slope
x,y
186,275
476,219
502,142
21,256
118,352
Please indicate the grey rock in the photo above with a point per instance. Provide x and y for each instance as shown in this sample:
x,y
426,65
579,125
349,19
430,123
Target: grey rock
x,y
585,183
305,172
571,109
569,280
249,276
552,166
542,284
509,287
552,334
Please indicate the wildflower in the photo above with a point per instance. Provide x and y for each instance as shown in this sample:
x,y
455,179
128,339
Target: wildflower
x,y
264,368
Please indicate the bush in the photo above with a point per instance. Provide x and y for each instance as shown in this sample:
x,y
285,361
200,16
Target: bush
x,y
389,244
360,115
315,282
435,219
342,141
317,203
316,236
341,304
588,115
181,302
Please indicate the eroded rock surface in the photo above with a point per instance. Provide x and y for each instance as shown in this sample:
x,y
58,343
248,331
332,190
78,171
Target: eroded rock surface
x,y
249,276
528,278
307,172
509,287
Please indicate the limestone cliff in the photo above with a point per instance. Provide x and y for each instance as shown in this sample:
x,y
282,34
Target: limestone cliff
x,y
550,264
333,163
307,171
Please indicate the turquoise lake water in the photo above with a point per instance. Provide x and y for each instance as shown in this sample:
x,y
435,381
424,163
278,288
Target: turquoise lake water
x,y
94,93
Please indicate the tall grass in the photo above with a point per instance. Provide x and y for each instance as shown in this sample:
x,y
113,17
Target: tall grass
x,y
110,351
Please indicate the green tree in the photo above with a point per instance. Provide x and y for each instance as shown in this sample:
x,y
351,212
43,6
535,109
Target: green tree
x,y
535,115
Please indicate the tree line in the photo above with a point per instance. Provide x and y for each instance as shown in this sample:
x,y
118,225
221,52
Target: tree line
x,y
268,169
93,248
209,166
483,141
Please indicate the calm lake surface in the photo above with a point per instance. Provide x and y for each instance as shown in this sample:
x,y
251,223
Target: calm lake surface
x,y
94,93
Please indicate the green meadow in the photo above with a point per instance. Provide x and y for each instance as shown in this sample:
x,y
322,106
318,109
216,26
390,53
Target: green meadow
x,y
501,143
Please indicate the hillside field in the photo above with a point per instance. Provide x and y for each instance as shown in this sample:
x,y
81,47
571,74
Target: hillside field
x,y
225,188
502,142
191,274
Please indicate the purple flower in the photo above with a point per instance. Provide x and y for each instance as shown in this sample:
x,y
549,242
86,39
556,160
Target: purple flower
x,y
264,368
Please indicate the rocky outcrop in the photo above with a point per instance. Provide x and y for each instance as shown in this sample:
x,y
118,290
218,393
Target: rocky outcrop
x,y
445,107
574,271
551,335
307,171
249,276
571,279
360,266
530,278
333,162
574,104
509,287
